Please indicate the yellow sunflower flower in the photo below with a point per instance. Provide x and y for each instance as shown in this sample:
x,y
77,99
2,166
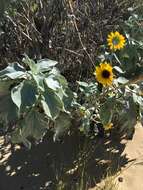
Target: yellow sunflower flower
x,y
108,126
104,74
116,41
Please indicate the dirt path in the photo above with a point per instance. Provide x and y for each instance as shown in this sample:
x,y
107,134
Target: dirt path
x,y
133,173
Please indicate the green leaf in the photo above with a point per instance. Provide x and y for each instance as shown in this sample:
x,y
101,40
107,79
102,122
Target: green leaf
x,y
16,95
106,111
24,95
34,125
117,59
62,124
8,110
52,104
87,89
44,65
32,65
83,84
52,83
62,80
54,71
5,86
68,99
122,80
39,80
118,69
138,99
16,75
13,71
16,137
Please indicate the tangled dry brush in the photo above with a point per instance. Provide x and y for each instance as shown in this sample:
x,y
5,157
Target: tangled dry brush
x,y
69,31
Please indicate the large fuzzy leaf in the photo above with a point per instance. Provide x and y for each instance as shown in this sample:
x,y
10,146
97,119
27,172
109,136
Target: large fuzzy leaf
x,y
42,65
8,110
24,95
13,71
31,64
68,99
52,83
39,80
34,125
5,86
17,137
52,104
45,65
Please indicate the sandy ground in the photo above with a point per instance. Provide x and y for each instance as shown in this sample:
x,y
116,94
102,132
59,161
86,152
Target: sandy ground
x,y
130,177
133,172
43,166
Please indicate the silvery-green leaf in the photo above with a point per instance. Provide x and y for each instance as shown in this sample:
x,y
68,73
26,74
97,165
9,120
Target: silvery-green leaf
x,y
8,110
52,83
39,79
13,71
15,75
24,95
32,65
122,80
118,69
45,64
52,104
34,125
83,84
5,86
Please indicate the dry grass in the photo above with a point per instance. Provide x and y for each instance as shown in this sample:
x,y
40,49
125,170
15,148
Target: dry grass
x,y
68,31
109,183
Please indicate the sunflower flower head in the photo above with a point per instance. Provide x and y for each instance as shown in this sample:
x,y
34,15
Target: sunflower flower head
x,y
104,74
108,126
116,41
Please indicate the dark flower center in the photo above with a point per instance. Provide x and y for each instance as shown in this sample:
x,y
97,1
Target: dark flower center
x,y
115,41
105,74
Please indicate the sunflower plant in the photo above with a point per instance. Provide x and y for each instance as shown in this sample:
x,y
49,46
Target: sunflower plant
x,y
33,99
114,98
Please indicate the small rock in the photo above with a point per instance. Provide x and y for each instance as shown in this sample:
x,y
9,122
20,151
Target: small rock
x,y
120,179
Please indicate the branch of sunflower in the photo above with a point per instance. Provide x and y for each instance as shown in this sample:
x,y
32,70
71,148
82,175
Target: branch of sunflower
x,y
135,80
78,33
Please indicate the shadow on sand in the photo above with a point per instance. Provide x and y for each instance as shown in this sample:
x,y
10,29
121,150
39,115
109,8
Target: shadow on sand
x,y
49,163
